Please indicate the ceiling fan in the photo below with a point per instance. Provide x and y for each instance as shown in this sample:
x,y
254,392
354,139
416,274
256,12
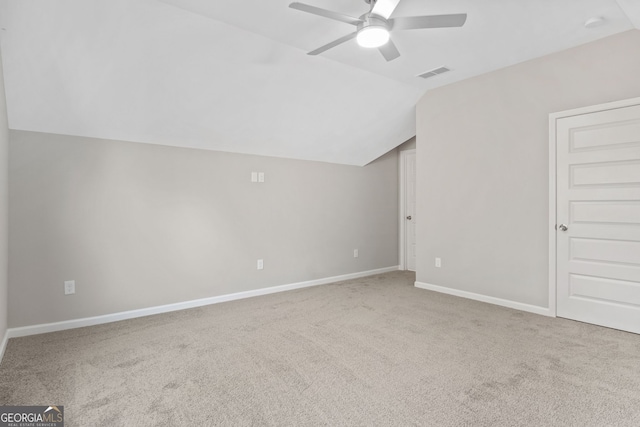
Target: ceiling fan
x,y
374,26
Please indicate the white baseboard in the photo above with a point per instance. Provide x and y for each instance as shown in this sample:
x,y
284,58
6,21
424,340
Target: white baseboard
x,y
115,317
544,311
3,346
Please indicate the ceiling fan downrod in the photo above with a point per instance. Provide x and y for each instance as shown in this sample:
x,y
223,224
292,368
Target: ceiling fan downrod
x,y
371,3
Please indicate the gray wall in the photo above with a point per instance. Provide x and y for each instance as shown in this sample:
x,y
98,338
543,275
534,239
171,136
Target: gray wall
x,y
139,225
483,169
4,146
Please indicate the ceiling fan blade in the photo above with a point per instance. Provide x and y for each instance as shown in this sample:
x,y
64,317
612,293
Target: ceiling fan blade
x,y
326,13
385,8
433,21
333,44
389,51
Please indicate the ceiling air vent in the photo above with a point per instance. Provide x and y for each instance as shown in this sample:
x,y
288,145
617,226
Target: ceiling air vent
x,y
434,72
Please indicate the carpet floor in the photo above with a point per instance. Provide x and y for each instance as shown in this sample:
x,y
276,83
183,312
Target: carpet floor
x,y
370,351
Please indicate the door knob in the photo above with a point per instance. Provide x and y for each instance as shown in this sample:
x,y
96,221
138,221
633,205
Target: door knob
x,y
409,217
563,227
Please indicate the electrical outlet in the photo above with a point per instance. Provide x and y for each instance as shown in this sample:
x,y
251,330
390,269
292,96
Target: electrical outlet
x,y
69,287
355,253
438,262
260,264
260,176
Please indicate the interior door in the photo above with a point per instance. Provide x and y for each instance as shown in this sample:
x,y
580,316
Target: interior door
x,y
410,209
598,218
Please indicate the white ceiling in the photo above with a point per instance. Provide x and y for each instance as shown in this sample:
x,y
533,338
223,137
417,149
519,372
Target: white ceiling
x,y
234,75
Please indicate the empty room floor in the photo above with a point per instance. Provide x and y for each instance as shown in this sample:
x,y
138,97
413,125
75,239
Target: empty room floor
x,y
370,351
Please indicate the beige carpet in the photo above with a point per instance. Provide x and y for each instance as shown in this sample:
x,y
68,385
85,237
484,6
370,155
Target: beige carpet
x,y
372,351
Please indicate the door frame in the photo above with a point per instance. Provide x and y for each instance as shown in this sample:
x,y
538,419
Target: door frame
x,y
403,189
553,197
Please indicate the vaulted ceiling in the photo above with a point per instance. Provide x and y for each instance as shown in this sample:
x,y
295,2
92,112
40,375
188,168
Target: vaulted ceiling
x,y
235,75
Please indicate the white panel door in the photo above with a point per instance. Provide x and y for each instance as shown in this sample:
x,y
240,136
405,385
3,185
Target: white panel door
x,y
410,210
598,202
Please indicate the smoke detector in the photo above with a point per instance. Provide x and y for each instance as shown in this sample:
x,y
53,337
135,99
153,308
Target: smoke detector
x,y
594,22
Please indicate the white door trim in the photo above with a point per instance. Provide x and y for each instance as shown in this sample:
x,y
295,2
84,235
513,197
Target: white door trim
x,y
403,167
553,118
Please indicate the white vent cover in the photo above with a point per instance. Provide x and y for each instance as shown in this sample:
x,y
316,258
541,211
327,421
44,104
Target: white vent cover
x,y
433,73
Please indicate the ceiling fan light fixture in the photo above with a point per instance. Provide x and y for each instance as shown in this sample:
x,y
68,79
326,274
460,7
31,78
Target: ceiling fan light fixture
x,y
372,36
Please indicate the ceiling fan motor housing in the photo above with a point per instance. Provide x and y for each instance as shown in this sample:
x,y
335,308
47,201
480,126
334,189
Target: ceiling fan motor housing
x,y
371,20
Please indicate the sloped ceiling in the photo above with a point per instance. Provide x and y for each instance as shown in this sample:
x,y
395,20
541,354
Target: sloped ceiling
x,y
234,75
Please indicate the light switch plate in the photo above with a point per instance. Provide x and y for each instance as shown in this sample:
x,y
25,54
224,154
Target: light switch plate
x,y
69,287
